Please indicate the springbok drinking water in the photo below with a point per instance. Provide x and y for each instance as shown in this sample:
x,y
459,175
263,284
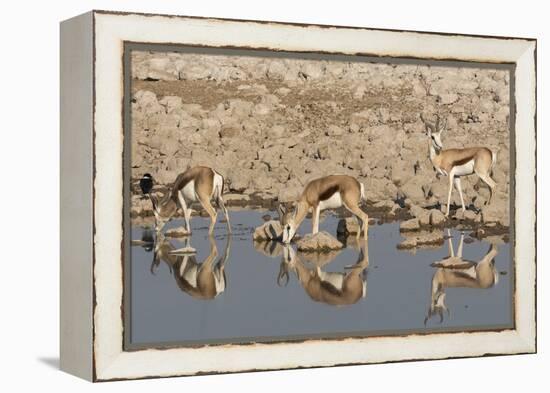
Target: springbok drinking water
x,y
199,184
329,192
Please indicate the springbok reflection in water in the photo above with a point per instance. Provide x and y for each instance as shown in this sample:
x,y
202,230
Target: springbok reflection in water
x,y
333,288
456,272
202,280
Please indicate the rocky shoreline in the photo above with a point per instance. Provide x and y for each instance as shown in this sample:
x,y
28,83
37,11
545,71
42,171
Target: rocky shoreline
x,y
419,227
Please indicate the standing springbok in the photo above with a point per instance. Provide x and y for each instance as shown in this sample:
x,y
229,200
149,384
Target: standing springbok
x,y
455,272
199,184
328,192
456,163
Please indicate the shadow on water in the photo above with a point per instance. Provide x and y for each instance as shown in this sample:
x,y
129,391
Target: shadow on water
x,y
227,287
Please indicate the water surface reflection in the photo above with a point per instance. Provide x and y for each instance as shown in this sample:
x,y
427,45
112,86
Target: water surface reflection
x,y
229,288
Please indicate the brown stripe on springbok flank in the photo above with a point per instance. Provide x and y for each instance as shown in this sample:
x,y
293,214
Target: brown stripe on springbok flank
x,y
326,194
462,161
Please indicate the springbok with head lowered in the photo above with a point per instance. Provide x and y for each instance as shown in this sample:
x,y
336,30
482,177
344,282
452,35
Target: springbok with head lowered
x,y
456,163
330,192
199,184
455,272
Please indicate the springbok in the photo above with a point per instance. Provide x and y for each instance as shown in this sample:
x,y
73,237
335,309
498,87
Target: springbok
x,y
456,163
455,272
204,280
198,184
328,192
333,288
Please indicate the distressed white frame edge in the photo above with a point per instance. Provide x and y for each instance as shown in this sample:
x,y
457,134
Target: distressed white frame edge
x,y
111,362
76,174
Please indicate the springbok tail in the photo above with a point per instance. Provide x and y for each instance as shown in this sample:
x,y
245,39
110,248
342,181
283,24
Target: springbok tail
x,y
363,198
494,160
223,185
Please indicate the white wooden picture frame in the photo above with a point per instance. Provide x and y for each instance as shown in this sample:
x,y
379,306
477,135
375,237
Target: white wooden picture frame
x,y
92,140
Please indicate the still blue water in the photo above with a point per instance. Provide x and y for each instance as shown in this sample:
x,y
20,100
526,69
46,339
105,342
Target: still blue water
x,y
252,306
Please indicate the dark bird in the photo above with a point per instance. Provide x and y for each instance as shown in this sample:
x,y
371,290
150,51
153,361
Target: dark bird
x,y
146,183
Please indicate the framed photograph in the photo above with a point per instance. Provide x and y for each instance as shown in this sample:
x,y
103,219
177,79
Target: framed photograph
x,y
246,195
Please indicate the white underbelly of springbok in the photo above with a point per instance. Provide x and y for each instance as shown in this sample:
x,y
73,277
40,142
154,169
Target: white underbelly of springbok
x,y
334,279
464,169
334,202
189,192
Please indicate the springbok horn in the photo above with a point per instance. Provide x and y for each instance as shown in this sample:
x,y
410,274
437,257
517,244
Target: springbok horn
x,y
427,123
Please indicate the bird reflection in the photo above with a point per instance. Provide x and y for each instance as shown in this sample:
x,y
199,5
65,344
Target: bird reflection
x,y
456,272
334,288
202,280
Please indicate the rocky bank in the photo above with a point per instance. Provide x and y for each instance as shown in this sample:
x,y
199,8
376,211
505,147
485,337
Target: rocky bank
x,y
271,125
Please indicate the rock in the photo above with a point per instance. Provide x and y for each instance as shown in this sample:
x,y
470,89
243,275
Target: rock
x,y
401,172
171,103
448,98
385,205
266,217
233,199
379,189
437,217
289,194
312,70
157,68
423,215
470,215
283,91
270,230
230,132
334,130
277,131
496,211
262,109
412,189
319,242
239,179
347,226
410,225
423,238
276,70
360,91
183,250
177,232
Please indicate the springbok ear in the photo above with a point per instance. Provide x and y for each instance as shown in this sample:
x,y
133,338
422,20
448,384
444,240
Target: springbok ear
x,y
428,130
294,208
282,210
